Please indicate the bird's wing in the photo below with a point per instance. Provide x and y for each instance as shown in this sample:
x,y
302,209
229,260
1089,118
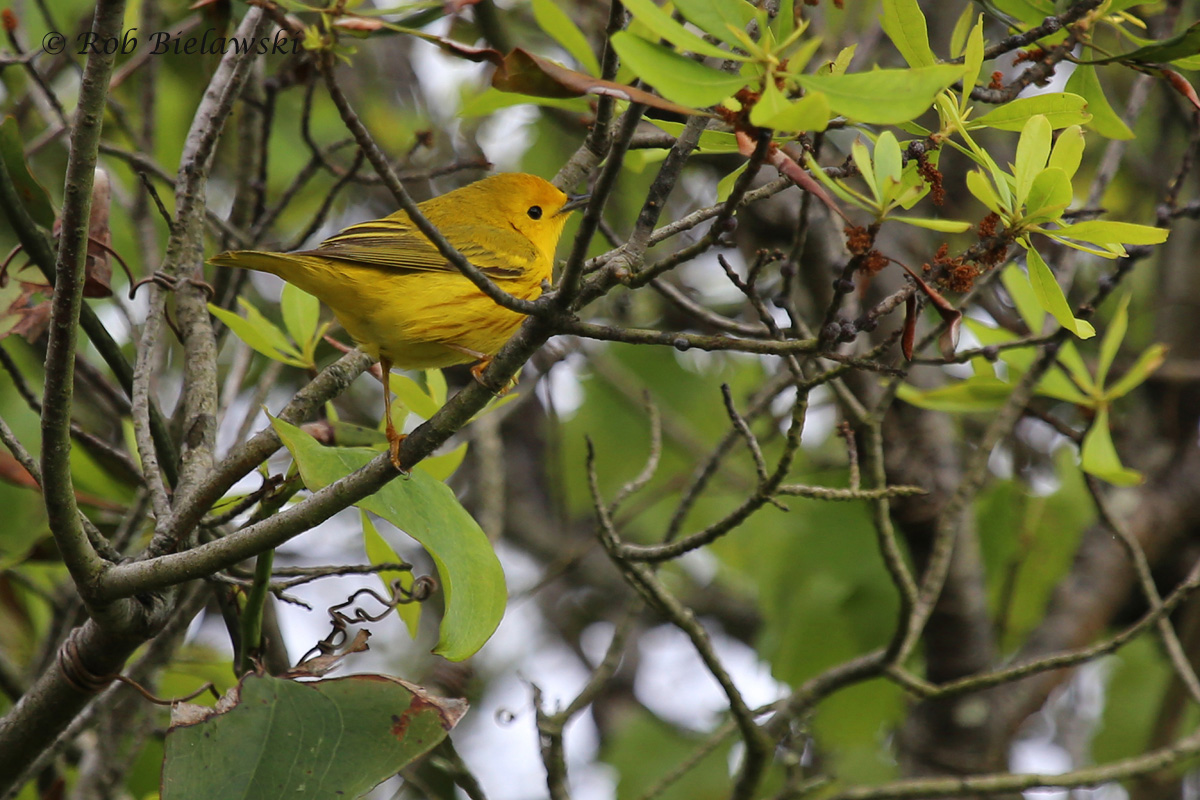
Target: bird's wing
x,y
397,244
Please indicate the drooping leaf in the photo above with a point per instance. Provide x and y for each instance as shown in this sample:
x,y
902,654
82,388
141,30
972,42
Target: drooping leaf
x,y
1105,121
1024,298
471,577
282,738
1099,457
1050,296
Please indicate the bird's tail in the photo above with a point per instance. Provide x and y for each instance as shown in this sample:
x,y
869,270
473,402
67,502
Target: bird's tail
x,y
281,264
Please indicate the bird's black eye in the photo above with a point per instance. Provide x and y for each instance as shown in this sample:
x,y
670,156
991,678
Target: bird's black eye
x,y
534,212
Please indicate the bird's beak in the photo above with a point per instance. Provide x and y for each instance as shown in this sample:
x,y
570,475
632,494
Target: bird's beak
x,y
575,201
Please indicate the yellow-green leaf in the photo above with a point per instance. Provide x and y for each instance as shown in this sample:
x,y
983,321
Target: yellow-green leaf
x,y
1051,297
1098,456
905,25
380,552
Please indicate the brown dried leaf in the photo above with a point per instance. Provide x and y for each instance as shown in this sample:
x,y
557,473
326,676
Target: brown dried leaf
x,y
1183,86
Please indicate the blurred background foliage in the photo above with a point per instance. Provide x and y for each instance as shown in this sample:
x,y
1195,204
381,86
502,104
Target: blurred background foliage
x,y
804,590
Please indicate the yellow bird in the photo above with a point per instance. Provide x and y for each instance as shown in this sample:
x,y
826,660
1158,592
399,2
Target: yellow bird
x,y
403,303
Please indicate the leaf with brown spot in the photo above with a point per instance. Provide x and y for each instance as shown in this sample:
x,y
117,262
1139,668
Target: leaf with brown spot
x,y
359,730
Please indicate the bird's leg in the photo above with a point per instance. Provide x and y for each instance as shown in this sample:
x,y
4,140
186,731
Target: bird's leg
x,y
478,367
394,438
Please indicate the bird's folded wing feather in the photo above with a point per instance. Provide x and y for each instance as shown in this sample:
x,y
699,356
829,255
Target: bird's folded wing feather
x,y
396,244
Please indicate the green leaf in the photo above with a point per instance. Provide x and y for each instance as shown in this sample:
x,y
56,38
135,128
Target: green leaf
x,y
443,465
301,314
435,382
1050,296
34,197
1099,457
1024,298
979,185
413,397
853,198
665,26
554,21
841,62
941,225
958,37
675,77
888,163
1057,385
259,333
380,552
1110,344
1150,360
1068,356
809,113
770,103
718,17
278,738
1105,121
973,57
1182,45
905,25
1059,108
710,141
1068,150
785,20
471,577
980,393
862,160
1049,195
884,96
491,100
726,184
1096,231
1033,148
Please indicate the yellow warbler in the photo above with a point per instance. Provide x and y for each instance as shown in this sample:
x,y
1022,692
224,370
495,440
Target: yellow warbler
x,y
403,302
